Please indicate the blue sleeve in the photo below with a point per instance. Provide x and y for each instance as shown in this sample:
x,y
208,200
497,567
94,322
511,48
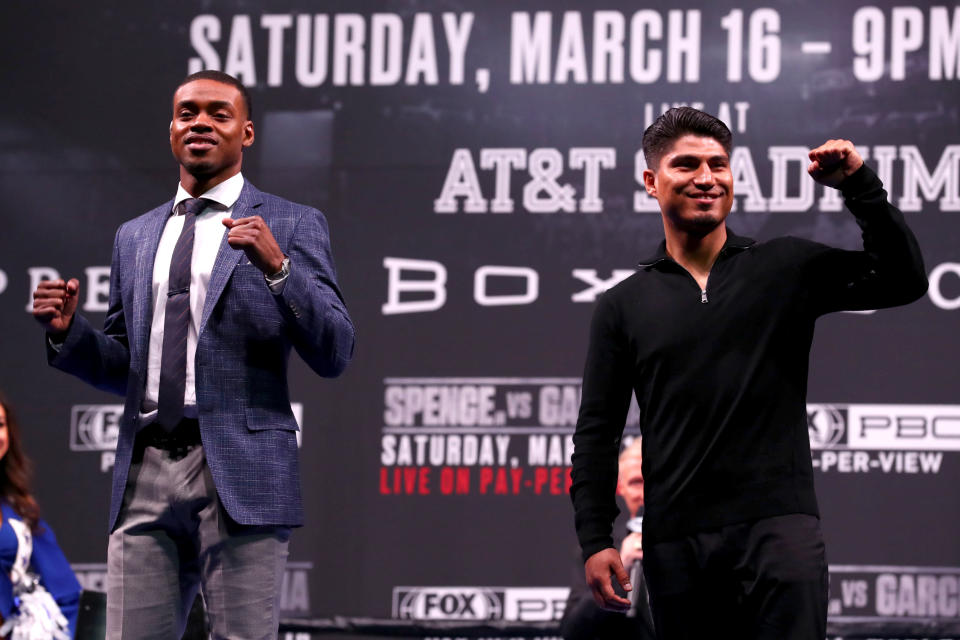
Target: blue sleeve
x,y
311,300
8,552
56,575
100,358
6,596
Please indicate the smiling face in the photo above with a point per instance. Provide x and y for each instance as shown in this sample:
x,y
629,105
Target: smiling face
x,y
209,130
693,184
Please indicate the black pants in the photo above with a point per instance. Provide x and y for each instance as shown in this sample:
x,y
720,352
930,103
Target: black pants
x,y
759,580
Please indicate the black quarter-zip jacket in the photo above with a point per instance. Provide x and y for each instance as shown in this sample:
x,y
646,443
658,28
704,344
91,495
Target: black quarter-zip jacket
x,y
720,375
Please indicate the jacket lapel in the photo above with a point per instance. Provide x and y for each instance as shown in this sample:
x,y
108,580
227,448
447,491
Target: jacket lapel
x,y
228,258
148,239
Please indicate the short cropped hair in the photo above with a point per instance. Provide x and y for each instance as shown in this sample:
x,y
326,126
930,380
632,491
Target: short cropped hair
x,y
676,123
225,78
635,450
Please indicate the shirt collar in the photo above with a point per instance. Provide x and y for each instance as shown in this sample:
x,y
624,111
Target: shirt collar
x,y
733,241
225,194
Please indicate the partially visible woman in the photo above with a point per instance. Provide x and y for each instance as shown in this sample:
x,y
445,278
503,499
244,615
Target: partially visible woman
x,y
39,594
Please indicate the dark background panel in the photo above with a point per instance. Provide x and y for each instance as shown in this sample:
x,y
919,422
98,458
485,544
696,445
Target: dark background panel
x,y
83,147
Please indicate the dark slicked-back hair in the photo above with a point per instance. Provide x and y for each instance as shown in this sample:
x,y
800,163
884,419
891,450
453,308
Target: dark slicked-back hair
x,y
220,76
676,123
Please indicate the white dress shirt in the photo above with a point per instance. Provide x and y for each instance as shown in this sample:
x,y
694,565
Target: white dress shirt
x,y
208,235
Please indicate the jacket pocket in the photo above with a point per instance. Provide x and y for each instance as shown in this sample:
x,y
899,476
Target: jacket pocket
x,y
263,418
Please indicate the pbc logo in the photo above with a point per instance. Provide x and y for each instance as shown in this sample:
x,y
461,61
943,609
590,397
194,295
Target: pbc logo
x,y
447,603
95,427
827,425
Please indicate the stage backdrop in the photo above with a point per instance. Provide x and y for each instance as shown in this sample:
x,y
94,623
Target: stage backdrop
x,y
479,164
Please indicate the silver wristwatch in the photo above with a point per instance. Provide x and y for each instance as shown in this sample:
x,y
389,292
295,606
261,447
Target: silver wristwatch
x,y
280,275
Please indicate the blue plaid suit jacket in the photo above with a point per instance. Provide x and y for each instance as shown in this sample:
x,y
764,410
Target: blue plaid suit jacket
x,y
246,333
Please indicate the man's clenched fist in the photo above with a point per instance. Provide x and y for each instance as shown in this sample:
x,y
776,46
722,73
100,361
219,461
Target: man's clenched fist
x,y
54,303
834,161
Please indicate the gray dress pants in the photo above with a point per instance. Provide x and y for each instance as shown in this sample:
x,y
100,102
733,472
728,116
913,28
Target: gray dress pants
x,y
173,536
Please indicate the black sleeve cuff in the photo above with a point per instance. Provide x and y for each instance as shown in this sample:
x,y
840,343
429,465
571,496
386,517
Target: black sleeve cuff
x,y
862,182
591,548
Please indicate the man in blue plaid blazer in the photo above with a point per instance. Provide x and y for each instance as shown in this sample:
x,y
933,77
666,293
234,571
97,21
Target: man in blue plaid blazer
x,y
205,493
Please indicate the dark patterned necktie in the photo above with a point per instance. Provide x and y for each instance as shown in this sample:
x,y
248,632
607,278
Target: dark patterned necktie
x,y
173,360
